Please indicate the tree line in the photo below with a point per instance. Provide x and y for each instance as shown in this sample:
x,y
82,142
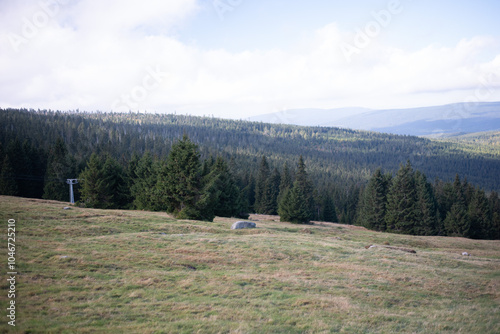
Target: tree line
x,y
39,150
408,203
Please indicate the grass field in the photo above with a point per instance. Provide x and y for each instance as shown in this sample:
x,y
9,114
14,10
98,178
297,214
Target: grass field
x,y
111,271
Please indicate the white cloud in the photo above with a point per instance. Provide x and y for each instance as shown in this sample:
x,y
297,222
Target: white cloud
x,y
92,54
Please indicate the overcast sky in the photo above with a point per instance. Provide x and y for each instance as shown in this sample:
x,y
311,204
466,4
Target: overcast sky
x,y
240,58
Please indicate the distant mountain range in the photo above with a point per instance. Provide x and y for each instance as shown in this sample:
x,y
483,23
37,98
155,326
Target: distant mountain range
x,y
438,121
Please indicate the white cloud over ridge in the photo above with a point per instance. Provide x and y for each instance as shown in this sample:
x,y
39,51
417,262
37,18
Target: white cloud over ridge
x,y
94,55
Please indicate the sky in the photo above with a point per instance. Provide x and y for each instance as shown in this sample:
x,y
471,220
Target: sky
x,y
242,58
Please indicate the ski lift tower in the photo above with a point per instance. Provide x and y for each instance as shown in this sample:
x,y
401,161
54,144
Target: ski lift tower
x,y
71,182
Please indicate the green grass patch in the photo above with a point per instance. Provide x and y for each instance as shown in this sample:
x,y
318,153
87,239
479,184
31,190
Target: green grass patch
x,y
103,271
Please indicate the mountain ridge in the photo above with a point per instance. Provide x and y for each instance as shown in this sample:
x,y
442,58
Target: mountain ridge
x,y
423,121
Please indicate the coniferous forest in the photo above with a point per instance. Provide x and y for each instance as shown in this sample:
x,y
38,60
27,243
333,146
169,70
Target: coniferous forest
x,y
202,167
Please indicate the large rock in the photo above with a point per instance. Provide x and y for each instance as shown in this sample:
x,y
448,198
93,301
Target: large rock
x,y
240,225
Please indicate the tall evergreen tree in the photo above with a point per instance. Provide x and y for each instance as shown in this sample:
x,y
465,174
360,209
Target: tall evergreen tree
x,y
179,185
228,203
262,189
272,193
297,205
60,167
328,212
144,177
92,183
293,207
373,202
286,181
8,185
480,216
402,216
457,222
426,223
495,215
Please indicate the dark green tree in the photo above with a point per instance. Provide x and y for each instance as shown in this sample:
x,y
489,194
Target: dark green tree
x,y
426,223
92,187
480,216
179,185
457,222
328,212
144,177
227,193
373,202
297,205
262,189
8,185
402,215
60,167
293,206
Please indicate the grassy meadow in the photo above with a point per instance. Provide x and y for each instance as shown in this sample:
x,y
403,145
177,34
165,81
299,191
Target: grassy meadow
x,y
113,271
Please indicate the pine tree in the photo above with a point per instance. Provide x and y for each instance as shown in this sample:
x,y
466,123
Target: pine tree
x,y
179,183
92,183
115,183
272,193
480,216
328,212
457,222
262,189
426,223
373,202
297,205
228,202
286,181
8,185
306,186
401,216
294,208
494,201
144,178
60,167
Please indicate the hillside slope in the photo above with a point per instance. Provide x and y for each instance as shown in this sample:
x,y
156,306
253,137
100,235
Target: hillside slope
x,y
84,270
335,157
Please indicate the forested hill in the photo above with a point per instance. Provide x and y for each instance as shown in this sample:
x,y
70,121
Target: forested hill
x,y
335,157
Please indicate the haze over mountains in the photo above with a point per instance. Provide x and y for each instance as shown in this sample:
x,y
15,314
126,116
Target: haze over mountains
x,y
437,121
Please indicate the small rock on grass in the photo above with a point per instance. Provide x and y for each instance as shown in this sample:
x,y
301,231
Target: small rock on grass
x,y
241,225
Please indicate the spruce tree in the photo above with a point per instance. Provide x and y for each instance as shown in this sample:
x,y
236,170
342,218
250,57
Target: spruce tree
x,y
179,183
92,183
306,186
286,181
402,216
297,205
272,193
426,223
227,194
294,207
494,201
373,202
144,178
328,212
457,222
262,189
480,216
60,167
8,185
115,182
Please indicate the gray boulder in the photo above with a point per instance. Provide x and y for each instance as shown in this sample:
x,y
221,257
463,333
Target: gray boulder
x,y
240,225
